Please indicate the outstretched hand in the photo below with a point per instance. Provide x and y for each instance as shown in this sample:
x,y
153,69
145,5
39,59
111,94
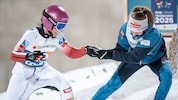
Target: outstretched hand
x,y
92,51
99,53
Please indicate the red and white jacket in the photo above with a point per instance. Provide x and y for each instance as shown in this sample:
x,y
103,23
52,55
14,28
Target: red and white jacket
x,y
32,40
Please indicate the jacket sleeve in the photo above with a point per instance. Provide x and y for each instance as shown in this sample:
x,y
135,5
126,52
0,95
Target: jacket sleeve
x,y
17,56
134,56
73,52
68,49
18,53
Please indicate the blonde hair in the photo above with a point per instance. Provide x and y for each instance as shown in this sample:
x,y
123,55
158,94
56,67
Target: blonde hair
x,y
140,13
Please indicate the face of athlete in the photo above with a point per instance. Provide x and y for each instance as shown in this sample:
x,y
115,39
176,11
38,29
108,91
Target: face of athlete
x,y
54,31
136,33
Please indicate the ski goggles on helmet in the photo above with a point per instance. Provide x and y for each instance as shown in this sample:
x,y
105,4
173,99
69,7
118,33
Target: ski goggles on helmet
x,y
60,26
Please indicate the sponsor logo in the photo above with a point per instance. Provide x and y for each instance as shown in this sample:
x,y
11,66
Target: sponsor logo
x,y
46,46
145,42
22,46
52,21
135,25
34,47
64,44
67,90
61,41
121,33
64,19
34,64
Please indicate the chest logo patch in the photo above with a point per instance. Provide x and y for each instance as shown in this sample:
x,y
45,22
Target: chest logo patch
x,y
145,42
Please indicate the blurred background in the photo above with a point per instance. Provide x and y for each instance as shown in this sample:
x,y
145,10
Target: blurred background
x,y
94,22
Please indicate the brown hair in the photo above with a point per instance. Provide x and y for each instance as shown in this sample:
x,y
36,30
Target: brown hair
x,y
140,12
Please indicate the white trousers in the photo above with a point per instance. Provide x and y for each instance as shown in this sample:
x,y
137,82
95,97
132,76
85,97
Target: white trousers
x,y
25,80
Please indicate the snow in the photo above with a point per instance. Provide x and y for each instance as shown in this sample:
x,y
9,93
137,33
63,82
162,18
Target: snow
x,y
148,93
141,86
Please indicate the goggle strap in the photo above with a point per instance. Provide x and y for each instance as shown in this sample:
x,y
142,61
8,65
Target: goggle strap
x,y
49,18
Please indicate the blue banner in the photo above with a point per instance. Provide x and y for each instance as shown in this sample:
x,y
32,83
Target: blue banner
x,y
165,12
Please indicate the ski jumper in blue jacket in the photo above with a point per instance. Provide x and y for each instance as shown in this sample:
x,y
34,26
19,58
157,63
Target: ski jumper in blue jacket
x,y
134,52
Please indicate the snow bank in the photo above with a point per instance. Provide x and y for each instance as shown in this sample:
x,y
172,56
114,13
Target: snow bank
x,y
87,80
148,93
141,86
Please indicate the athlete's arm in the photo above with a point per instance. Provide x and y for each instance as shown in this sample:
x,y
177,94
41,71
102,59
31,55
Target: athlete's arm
x,y
132,57
73,52
120,54
17,56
